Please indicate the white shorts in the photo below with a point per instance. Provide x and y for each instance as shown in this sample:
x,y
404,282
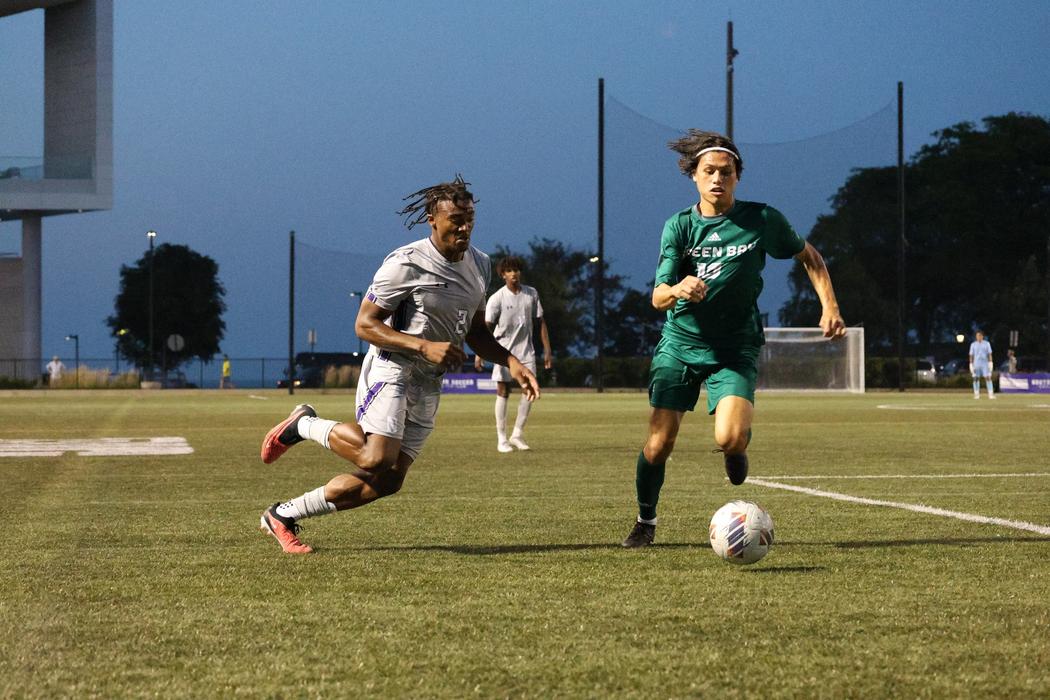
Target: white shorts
x,y
501,373
400,410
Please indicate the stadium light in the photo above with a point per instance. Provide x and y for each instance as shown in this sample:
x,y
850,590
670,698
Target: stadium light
x,y
76,356
960,338
594,259
150,235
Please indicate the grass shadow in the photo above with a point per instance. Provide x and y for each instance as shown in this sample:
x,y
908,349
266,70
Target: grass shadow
x,y
786,570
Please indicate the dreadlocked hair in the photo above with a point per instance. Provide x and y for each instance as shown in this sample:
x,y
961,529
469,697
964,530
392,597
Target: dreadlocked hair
x,y
695,141
422,203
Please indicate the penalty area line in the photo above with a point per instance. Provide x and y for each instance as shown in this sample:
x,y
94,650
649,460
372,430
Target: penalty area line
x,y
968,517
907,476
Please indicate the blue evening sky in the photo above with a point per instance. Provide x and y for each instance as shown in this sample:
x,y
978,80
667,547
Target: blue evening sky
x,y
235,122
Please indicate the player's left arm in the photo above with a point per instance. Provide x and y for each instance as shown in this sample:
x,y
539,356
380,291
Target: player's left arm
x,y
830,318
546,340
487,347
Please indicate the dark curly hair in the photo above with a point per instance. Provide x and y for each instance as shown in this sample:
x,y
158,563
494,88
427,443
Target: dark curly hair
x,y
695,141
508,263
422,203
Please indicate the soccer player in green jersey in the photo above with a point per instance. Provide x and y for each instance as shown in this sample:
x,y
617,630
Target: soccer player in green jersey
x,y
708,280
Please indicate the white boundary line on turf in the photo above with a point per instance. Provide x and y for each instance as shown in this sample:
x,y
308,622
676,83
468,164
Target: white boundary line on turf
x,y
969,517
906,476
933,407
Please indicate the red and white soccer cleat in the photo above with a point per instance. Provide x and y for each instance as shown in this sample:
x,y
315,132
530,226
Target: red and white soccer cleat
x,y
285,434
284,531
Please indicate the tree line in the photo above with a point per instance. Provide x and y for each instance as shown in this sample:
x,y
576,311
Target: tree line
x,y
978,243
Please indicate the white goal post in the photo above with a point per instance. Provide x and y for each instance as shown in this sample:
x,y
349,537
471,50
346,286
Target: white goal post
x,y
803,359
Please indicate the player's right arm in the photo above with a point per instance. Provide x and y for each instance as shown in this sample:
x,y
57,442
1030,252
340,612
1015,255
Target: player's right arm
x,y
371,327
668,288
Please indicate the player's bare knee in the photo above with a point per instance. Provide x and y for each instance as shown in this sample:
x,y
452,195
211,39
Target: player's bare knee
x,y
732,440
659,448
388,482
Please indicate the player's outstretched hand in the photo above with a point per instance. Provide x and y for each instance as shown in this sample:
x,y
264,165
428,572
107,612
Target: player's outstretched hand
x,y
833,325
445,355
530,388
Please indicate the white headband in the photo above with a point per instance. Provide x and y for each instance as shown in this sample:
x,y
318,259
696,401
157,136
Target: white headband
x,y
702,151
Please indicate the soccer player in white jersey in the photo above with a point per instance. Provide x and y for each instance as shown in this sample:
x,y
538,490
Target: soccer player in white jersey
x,y
510,314
981,364
426,299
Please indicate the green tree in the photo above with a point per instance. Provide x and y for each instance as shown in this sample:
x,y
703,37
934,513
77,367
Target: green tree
x,y
634,326
187,300
978,219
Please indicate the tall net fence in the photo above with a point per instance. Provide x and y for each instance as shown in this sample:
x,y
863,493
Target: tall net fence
x,y
643,185
329,285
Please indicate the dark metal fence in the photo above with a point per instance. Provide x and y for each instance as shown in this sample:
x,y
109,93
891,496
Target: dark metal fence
x,y
245,373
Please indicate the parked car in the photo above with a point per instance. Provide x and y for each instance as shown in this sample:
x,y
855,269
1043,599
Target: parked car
x,y
925,372
310,367
953,367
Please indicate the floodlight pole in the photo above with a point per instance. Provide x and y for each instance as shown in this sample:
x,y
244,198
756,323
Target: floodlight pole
x,y
360,296
731,53
76,357
291,312
150,235
599,282
901,243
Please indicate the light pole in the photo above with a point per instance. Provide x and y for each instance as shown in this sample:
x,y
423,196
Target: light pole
x,y
360,296
76,356
599,314
116,350
150,235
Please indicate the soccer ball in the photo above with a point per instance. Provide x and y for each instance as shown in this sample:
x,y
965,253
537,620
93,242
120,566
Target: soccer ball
x,y
741,532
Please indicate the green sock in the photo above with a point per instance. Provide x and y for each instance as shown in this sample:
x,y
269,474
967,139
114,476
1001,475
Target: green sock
x,y
647,480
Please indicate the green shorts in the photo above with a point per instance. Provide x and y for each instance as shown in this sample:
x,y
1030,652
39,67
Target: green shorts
x,y
678,371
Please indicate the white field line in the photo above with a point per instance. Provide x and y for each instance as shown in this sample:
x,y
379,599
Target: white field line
x,y
941,407
99,447
969,517
908,476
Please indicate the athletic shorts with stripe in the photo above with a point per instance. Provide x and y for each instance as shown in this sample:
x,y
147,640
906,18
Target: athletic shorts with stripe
x,y
389,405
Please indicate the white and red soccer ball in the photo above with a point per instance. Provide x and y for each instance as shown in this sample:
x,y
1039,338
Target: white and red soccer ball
x,y
741,532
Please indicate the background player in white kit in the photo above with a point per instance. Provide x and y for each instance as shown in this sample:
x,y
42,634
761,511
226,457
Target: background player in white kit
x,y
510,314
425,300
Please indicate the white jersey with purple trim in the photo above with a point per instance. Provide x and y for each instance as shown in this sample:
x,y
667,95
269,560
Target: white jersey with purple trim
x,y
512,316
431,298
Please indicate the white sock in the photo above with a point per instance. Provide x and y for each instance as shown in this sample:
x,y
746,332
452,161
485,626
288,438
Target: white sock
x,y
991,391
501,418
524,406
316,429
646,522
309,505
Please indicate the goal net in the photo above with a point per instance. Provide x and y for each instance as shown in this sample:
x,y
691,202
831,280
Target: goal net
x,y
802,358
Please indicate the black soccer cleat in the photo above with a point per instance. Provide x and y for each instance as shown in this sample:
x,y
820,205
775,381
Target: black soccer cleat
x,y
736,468
641,536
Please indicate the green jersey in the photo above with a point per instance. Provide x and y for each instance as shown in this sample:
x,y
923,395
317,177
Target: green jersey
x,y
728,253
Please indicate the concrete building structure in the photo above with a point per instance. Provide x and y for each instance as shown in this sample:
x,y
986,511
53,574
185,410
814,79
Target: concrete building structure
x,y
75,171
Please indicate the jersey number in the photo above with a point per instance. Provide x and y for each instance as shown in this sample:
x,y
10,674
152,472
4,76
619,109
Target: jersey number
x,y
708,271
461,322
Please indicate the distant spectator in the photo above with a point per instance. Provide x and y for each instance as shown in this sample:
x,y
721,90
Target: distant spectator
x,y
981,364
1011,362
226,382
54,371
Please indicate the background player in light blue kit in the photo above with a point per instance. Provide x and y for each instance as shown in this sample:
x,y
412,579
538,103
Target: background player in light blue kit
x,y
981,365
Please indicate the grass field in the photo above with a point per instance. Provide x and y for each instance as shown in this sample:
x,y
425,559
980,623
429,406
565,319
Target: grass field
x,y
502,576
